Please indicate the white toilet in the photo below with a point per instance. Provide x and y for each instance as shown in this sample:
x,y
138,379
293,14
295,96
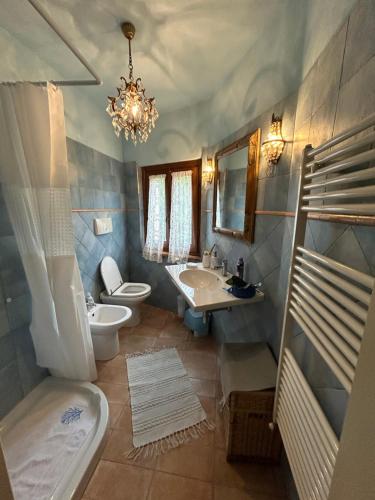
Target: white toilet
x,y
120,293
105,321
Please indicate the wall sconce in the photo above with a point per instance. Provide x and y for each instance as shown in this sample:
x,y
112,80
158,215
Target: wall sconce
x,y
274,145
208,172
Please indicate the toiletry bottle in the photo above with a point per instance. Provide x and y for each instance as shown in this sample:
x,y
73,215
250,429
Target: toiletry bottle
x,y
214,260
240,268
206,261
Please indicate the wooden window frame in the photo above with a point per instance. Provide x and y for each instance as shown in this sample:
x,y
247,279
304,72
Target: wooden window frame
x,y
168,168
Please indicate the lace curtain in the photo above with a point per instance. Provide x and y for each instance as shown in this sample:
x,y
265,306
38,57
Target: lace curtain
x,y
181,216
156,227
35,183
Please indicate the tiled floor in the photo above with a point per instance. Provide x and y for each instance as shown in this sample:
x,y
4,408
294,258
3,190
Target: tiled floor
x,y
195,471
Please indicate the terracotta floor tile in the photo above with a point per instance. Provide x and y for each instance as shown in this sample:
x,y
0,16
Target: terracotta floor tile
x,y
167,342
115,393
175,328
135,343
169,487
219,431
205,344
124,420
209,406
200,365
254,478
195,471
145,330
204,388
227,493
184,461
119,482
115,410
157,319
120,442
113,371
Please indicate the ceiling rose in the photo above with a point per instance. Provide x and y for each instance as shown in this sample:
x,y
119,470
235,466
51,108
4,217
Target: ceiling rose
x,y
131,111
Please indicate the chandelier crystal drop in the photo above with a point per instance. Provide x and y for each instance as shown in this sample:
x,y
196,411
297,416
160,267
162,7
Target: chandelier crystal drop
x,y
131,111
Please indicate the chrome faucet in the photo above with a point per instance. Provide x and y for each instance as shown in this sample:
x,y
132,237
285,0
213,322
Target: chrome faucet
x,y
90,303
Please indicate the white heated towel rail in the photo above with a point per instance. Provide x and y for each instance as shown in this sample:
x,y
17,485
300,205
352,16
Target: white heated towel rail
x,y
334,305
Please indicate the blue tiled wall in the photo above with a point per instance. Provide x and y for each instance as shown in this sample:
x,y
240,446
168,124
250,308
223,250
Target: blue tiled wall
x,y
19,372
97,182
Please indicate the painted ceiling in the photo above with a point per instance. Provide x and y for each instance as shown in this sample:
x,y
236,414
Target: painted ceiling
x,y
184,50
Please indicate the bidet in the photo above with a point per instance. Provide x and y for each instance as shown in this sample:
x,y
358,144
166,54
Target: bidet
x,y
105,321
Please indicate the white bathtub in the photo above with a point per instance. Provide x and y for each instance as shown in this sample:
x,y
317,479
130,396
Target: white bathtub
x,y
38,414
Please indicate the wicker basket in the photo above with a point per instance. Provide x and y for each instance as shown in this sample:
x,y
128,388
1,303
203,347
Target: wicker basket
x,y
246,422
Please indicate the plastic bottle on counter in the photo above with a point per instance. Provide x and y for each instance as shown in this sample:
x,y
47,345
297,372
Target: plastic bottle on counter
x,y
206,260
240,268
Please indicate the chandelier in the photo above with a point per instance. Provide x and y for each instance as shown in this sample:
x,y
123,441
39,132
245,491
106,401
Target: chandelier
x,y
131,111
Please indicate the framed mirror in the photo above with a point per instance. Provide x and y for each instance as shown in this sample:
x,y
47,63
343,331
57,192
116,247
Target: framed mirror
x,y
235,187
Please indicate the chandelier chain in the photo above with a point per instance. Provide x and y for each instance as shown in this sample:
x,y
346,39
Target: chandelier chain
x,y
130,60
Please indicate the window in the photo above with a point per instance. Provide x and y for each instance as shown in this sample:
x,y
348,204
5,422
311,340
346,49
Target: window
x,y
171,202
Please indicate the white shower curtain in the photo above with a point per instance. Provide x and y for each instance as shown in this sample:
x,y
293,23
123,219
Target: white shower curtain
x,y
34,177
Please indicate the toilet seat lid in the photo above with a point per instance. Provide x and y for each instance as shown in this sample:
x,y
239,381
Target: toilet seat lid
x,y
133,290
110,275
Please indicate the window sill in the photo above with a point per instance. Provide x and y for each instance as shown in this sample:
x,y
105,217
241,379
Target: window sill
x,y
197,258
191,257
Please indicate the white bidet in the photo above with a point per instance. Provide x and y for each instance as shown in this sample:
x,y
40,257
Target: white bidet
x,y
105,321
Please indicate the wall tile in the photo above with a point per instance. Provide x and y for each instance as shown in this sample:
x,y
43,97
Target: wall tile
x,y
357,98
10,388
100,181
366,239
328,70
7,350
273,193
360,44
347,250
19,311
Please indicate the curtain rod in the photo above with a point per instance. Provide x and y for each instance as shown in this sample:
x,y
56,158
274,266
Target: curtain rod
x,y
96,78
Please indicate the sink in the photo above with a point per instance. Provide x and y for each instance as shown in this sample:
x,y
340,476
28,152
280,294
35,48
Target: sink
x,y
205,290
198,278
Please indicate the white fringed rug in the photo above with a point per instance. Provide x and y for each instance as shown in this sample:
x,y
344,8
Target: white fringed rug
x,y
165,410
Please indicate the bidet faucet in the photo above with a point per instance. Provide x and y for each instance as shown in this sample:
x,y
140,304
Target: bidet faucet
x,y
90,302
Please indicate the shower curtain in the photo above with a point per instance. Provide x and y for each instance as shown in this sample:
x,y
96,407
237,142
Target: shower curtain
x,y
35,184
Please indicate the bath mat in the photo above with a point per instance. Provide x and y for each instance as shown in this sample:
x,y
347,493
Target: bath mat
x,y
166,412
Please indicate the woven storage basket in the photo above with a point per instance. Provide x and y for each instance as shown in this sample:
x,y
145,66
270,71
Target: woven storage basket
x,y
246,421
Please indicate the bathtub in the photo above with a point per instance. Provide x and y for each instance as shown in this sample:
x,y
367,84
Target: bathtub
x,y
34,434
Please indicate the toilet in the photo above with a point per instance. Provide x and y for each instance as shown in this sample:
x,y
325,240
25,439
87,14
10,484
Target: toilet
x,y
120,293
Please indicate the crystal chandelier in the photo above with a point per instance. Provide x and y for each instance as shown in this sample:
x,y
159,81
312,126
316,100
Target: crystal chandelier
x,y
131,110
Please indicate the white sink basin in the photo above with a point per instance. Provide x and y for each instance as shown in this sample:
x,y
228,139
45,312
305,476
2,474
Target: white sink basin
x,y
205,290
198,278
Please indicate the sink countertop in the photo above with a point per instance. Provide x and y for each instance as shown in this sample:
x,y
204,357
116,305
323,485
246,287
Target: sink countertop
x,y
211,297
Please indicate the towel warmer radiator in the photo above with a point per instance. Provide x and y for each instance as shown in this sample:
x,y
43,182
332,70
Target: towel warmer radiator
x,y
334,305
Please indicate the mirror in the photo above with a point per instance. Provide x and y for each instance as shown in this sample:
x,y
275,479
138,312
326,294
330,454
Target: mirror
x,y
236,173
